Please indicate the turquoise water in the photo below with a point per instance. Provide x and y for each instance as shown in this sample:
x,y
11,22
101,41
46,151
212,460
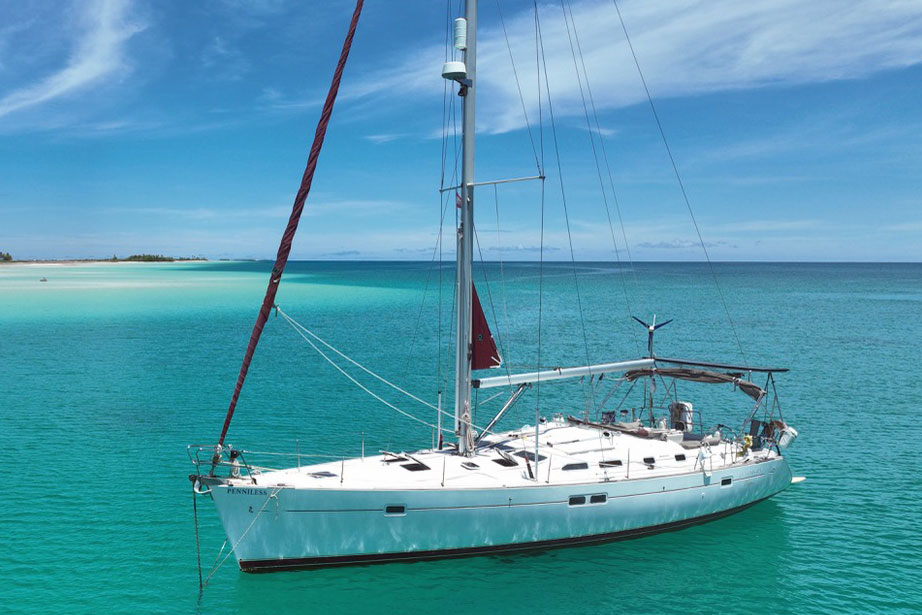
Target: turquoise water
x,y
110,370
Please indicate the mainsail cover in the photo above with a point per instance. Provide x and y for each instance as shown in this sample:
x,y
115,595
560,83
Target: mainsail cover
x,y
698,375
484,353
296,209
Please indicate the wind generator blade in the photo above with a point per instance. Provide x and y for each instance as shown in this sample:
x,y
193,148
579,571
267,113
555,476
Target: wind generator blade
x,y
289,234
663,324
641,322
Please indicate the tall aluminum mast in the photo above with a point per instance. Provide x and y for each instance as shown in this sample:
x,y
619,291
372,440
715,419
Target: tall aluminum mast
x,y
465,242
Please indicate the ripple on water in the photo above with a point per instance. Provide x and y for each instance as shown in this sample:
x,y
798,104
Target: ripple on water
x,y
103,387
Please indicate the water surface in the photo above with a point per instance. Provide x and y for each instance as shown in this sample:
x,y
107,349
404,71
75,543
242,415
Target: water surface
x,y
110,370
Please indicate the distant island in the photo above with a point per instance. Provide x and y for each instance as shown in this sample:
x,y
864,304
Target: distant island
x,y
156,258
6,257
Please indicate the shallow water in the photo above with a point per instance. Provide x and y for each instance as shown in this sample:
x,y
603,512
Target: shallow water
x,y
110,370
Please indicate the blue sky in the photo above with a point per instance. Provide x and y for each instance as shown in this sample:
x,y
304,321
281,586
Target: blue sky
x,y
183,129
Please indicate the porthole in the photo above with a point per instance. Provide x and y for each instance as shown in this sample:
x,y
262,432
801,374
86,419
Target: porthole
x,y
577,500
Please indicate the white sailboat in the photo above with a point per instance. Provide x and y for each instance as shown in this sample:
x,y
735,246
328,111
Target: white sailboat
x,y
562,481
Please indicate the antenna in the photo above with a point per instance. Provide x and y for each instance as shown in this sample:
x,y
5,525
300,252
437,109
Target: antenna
x,y
651,329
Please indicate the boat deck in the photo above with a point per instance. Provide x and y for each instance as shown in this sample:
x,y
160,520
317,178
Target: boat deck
x,y
568,453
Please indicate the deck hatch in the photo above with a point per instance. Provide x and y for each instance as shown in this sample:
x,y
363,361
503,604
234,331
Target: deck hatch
x,y
415,466
529,455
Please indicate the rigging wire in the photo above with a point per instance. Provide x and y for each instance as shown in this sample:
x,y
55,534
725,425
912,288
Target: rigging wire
x,y
483,270
448,115
217,566
453,120
518,87
445,94
502,272
307,335
539,44
299,327
422,304
579,50
566,215
304,333
678,177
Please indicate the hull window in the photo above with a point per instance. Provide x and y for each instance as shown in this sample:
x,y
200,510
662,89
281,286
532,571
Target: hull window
x,y
680,457
576,466
580,500
615,463
395,509
726,482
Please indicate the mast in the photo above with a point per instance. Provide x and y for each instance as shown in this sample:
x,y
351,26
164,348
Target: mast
x,y
465,241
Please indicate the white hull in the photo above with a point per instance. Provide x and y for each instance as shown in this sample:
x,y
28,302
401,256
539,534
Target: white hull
x,y
274,526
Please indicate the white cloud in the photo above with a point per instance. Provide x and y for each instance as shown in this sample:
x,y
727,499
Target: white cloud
x,y
768,226
685,48
911,226
98,54
223,61
318,207
202,213
385,138
346,208
682,244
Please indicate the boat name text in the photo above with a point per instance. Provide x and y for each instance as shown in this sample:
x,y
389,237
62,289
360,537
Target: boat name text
x,y
237,491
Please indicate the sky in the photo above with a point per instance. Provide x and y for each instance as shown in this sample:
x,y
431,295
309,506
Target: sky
x,y
182,128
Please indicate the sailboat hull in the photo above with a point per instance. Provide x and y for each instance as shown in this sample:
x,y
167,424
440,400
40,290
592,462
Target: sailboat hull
x,y
276,528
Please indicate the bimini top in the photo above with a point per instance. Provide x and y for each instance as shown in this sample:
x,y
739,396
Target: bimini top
x,y
697,375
